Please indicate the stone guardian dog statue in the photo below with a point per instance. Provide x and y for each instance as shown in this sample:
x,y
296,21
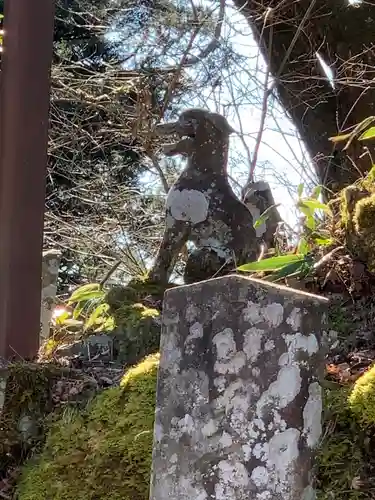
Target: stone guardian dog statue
x,y
201,206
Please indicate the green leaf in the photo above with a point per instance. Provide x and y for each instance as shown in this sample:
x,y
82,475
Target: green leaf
x,y
78,310
316,205
316,192
371,174
323,242
62,318
285,271
86,292
369,134
307,211
265,216
300,190
72,322
271,264
102,309
303,247
109,324
310,223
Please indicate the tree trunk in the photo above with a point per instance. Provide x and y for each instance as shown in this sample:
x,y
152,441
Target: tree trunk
x,y
290,33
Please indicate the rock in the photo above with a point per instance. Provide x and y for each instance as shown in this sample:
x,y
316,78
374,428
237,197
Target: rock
x,y
97,348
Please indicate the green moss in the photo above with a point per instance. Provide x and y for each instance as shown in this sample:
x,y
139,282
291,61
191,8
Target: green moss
x,y
103,453
342,455
27,402
346,453
362,398
364,224
137,333
340,319
364,214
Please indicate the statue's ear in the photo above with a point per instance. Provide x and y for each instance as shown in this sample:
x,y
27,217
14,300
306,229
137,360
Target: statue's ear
x,y
220,122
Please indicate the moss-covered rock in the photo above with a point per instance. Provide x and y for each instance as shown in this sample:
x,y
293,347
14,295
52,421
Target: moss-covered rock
x,y
341,456
356,212
137,334
346,460
25,402
362,398
102,453
364,224
137,330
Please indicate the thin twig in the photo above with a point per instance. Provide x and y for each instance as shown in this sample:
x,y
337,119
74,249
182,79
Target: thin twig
x,y
109,273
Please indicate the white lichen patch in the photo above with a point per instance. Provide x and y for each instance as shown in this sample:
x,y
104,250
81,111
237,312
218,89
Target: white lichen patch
x,y
298,342
259,476
247,452
277,423
220,383
195,332
261,451
158,429
210,428
312,415
252,313
184,425
187,205
282,391
226,440
229,361
264,495
225,344
273,313
294,319
283,453
252,343
184,487
233,481
235,403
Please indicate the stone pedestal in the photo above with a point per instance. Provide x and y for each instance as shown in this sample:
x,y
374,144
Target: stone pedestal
x,y
50,270
238,401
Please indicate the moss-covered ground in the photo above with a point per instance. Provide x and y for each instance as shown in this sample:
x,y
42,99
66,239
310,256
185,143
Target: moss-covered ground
x,y
346,460
103,452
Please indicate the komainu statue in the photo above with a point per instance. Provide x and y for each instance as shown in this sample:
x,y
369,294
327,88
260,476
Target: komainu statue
x,y
201,206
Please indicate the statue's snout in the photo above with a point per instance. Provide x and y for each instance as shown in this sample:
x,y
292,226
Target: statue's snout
x,y
166,128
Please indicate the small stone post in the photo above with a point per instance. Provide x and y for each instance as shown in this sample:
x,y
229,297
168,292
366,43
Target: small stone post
x,y
238,400
50,271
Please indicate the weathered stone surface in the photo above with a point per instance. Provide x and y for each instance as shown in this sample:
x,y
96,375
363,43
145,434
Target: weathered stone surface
x,y
258,199
97,347
50,270
238,402
201,206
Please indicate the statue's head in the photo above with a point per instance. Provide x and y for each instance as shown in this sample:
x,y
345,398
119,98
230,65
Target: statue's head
x,y
197,123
